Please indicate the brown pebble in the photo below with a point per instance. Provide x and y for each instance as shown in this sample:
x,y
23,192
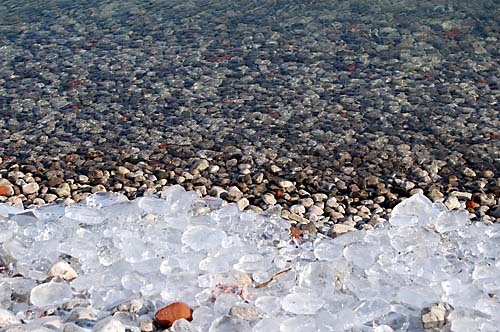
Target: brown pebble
x,y
166,316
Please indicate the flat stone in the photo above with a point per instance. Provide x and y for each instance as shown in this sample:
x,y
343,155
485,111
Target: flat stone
x,y
469,172
234,193
275,169
316,210
30,188
341,228
298,209
245,312
123,170
461,194
307,202
295,217
286,184
242,203
319,197
201,165
332,202
488,174
269,199
435,317
62,270
83,178
49,198
452,203
63,190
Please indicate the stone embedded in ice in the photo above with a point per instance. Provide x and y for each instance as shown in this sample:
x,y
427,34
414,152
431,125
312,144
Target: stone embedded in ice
x,y
245,311
451,221
203,237
7,318
299,324
229,324
50,293
302,303
383,328
109,324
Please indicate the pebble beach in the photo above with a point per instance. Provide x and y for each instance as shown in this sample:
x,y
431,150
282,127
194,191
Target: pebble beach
x,y
335,111
324,113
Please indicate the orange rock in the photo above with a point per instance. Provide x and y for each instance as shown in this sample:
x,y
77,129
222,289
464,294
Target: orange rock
x,y
295,232
471,204
6,191
166,316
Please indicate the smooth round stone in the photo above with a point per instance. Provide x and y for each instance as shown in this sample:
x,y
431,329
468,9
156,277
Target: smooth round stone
x,y
269,199
62,270
50,293
30,188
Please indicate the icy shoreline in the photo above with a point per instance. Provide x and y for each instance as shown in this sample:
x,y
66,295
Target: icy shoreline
x,y
241,271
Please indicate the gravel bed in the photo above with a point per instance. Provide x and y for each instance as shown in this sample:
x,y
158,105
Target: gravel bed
x,y
326,112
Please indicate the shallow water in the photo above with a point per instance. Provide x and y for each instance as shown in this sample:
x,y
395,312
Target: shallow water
x,y
380,86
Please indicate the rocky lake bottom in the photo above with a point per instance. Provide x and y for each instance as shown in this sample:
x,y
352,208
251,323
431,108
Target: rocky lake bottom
x,y
324,114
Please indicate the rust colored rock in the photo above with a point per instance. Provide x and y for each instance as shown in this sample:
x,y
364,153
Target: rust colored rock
x,y
6,190
166,316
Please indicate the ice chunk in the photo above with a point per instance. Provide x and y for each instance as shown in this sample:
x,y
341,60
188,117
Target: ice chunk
x,y
362,255
268,304
253,263
328,251
84,215
203,237
302,303
451,221
50,293
299,324
416,209
372,309
320,275
103,199
229,324
267,325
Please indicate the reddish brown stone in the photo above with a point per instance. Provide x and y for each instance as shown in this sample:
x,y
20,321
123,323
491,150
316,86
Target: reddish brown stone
x,y
166,316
